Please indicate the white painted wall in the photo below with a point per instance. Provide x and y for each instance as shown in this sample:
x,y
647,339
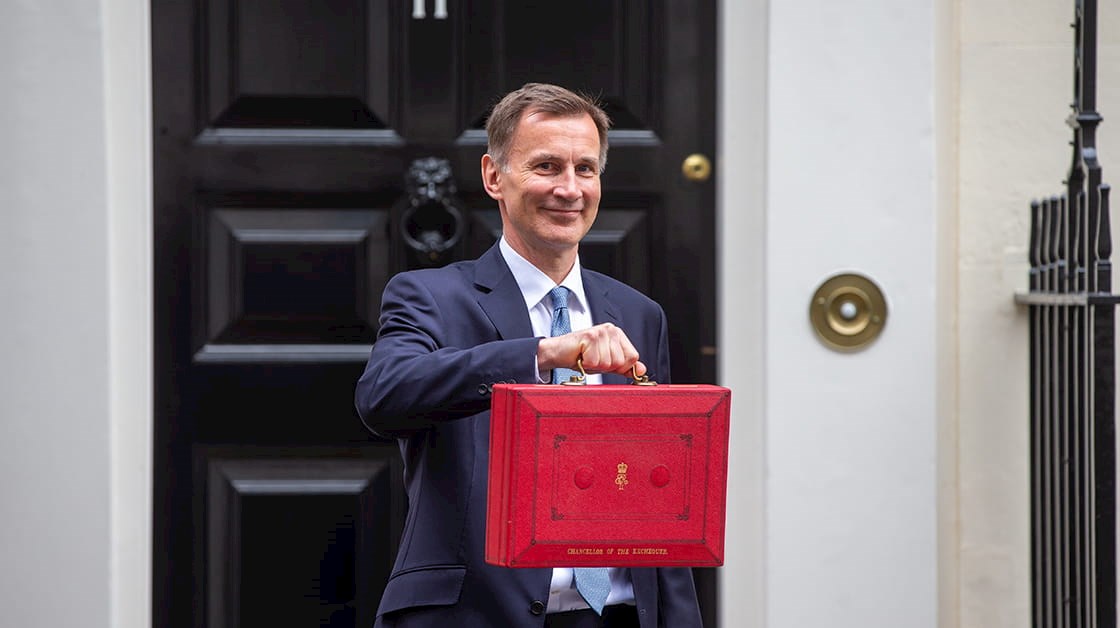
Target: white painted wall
x,y
837,454
888,487
1015,88
128,170
75,322
741,177
851,438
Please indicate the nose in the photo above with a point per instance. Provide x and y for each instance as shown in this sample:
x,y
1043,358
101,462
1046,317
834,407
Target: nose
x,y
567,187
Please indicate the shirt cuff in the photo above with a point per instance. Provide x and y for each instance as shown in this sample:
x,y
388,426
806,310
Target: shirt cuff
x,y
538,373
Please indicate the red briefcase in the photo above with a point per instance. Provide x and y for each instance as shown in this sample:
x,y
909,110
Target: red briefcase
x,y
607,476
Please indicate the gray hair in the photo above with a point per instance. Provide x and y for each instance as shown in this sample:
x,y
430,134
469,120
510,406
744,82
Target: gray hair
x,y
546,98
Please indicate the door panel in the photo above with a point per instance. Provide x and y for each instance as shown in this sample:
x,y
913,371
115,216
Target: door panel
x,y
610,49
290,542
288,138
285,65
289,276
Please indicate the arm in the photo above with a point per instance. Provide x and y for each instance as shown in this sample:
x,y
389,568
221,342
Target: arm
x,y
416,377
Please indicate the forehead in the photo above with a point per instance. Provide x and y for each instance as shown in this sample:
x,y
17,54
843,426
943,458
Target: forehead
x,y
539,131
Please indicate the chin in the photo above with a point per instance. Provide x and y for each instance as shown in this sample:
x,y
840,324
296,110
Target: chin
x,y
566,240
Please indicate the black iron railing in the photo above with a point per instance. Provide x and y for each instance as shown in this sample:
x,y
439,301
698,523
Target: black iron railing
x,y
1072,364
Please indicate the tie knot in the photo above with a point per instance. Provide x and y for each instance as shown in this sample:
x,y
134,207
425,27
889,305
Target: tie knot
x,y
559,296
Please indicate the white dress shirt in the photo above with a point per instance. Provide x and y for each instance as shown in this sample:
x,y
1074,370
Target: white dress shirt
x,y
535,286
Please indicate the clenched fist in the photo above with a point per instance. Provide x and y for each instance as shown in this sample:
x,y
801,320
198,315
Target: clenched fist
x,y
604,347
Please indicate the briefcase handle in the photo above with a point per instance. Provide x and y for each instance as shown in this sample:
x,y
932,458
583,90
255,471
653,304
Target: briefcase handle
x,y
581,379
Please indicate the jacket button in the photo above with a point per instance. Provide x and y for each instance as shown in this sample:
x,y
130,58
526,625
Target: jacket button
x,y
537,607
482,390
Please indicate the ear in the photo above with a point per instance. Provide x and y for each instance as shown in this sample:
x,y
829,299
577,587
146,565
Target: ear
x,y
491,177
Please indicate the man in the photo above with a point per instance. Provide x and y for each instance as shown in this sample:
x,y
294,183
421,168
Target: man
x,y
448,335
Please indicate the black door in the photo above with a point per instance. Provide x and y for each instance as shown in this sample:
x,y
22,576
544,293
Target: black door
x,y
285,134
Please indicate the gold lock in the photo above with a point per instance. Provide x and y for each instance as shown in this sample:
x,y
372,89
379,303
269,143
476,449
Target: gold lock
x,y
696,167
848,311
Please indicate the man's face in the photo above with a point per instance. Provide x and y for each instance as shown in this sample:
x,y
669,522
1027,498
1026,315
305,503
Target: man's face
x,y
549,192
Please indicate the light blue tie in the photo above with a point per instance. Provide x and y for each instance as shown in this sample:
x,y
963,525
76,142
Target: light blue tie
x,y
561,324
593,583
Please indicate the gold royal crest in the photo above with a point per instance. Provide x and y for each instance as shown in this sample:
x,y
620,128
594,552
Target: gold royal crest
x,y
621,480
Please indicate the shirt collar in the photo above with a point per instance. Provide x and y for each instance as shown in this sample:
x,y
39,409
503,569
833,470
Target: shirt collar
x,y
535,285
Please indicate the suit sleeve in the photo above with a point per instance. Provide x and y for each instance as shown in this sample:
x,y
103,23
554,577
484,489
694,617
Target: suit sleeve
x,y
415,378
661,368
677,598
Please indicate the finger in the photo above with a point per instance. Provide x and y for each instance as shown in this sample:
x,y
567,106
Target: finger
x,y
602,353
581,353
591,349
605,348
627,353
621,357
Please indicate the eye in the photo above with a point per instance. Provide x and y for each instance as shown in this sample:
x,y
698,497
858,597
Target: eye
x,y
585,169
546,166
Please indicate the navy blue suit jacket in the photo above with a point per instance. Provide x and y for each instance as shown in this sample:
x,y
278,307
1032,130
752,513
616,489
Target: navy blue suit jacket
x,y
447,336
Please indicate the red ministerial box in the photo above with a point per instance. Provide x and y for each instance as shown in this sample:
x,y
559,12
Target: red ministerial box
x,y
607,476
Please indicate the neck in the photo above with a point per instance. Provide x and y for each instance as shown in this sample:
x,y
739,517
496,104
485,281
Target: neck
x,y
556,269
554,263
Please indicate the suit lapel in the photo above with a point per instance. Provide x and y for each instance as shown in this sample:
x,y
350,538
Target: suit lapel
x,y
500,297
